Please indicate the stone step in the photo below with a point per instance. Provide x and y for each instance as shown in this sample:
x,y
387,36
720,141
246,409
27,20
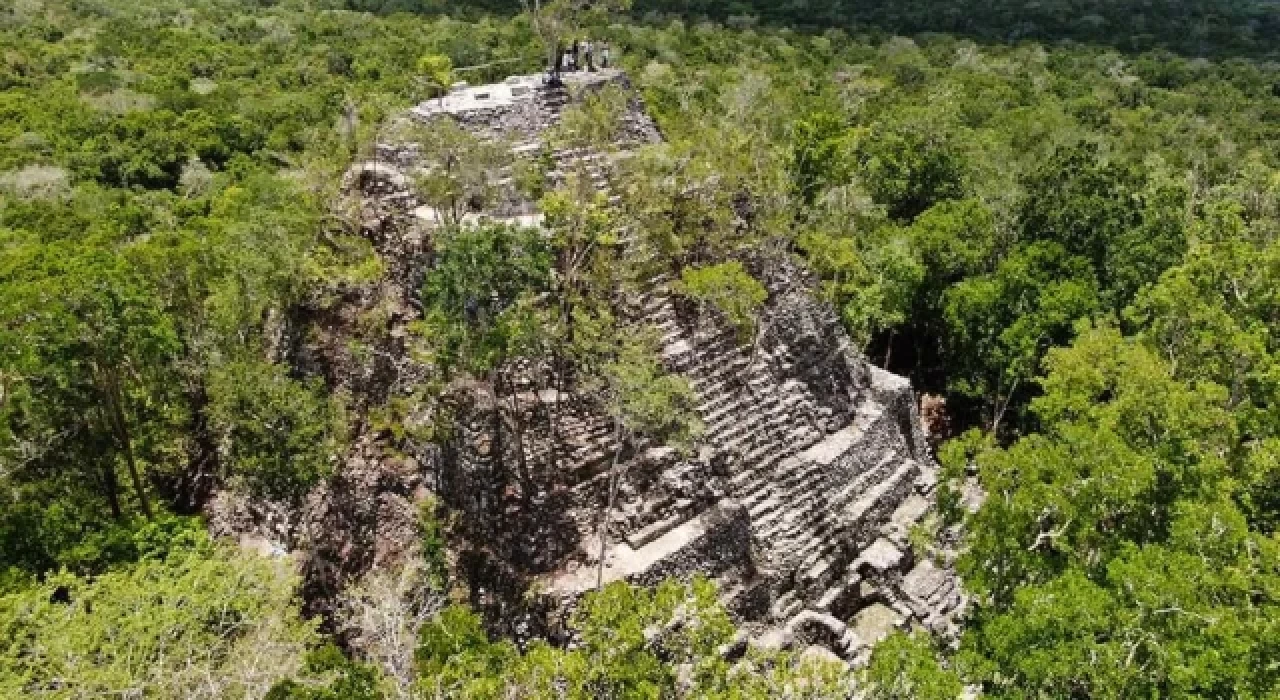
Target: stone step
x,y
805,554
797,472
651,532
855,489
745,477
716,369
714,354
771,524
738,440
834,593
899,481
717,405
752,423
755,497
763,475
818,568
786,606
760,482
764,507
722,416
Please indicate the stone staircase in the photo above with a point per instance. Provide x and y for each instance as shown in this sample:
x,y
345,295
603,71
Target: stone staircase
x,y
814,500
811,505
828,511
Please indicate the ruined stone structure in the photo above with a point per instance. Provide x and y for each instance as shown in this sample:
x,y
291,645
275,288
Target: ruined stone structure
x,y
801,498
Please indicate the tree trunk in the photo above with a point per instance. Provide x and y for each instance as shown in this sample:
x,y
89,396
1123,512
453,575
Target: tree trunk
x,y
496,450
1002,405
114,400
517,423
112,484
110,481
614,478
553,411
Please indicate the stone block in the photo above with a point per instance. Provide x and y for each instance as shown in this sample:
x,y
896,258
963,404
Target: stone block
x,y
880,557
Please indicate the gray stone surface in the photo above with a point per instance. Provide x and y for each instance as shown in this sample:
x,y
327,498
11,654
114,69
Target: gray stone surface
x,y
714,542
875,622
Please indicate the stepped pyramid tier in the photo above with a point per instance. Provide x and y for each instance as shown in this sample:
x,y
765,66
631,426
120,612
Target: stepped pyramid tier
x,y
800,498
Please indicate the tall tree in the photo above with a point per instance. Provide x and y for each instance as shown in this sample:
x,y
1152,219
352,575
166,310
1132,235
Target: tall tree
x,y
644,402
95,355
478,300
462,170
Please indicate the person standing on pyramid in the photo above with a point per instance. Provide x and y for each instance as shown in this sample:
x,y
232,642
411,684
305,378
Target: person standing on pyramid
x,y
586,50
604,55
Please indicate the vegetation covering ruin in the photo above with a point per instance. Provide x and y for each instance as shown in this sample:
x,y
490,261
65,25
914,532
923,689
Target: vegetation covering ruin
x,y
1062,218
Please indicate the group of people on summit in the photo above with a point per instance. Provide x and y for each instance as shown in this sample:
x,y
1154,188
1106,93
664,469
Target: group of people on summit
x,y
582,56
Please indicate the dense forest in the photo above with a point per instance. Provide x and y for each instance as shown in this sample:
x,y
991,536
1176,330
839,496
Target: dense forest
x,y
1061,218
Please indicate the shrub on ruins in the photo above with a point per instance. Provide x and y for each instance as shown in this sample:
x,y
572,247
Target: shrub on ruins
x,y
728,289
479,275
437,70
461,172
643,398
485,308
906,667
872,278
380,615
594,123
584,232
885,277
666,641
645,403
281,434
680,207
200,620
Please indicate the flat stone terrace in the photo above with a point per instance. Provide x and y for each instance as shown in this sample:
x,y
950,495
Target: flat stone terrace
x,y
516,91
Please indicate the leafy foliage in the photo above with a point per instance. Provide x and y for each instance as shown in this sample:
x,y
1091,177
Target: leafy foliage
x,y
346,679
198,620
905,666
633,641
1074,241
473,294
282,433
1113,537
729,289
